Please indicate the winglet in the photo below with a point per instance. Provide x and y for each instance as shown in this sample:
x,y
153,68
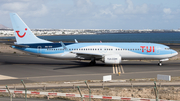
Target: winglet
x,y
75,41
62,44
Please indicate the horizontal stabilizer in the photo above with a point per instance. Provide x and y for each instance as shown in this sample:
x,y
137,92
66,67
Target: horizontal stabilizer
x,y
21,46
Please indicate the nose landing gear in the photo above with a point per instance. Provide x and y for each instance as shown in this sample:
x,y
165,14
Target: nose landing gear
x,y
160,63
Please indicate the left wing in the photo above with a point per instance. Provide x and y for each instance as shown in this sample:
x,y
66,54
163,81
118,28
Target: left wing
x,y
88,55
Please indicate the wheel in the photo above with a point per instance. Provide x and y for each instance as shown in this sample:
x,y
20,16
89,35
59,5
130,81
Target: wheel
x,y
92,63
160,64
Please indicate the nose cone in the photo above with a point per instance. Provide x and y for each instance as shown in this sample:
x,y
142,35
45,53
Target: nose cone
x,y
174,53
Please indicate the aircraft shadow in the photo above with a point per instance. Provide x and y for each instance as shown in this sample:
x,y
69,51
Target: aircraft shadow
x,y
71,63
82,65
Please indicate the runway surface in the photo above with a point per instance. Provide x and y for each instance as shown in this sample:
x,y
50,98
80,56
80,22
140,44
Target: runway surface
x,y
14,68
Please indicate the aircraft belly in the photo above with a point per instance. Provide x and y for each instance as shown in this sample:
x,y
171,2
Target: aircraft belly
x,y
61,56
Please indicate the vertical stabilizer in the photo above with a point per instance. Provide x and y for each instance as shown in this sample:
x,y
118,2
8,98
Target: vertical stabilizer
x,y
22,32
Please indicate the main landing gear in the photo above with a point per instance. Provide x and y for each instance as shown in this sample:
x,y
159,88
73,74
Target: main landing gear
x,y
160,63
93,62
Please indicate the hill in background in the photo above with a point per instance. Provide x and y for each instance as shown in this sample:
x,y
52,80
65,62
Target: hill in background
x,y
2,26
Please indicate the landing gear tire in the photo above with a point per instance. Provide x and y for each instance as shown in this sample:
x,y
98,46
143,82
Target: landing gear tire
x,y
93,62
160,64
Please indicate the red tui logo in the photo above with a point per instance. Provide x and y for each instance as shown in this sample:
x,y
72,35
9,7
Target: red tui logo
x,y
21,36
151,49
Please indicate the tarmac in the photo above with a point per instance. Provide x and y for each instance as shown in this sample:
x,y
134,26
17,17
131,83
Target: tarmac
x,y
14,68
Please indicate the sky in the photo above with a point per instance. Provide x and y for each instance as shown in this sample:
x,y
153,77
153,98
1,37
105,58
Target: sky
x,y
93,14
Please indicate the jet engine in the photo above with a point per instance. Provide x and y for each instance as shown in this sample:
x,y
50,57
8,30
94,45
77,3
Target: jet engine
x,y
112,59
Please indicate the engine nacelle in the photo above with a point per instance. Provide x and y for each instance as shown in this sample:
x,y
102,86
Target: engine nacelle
x,y
112,59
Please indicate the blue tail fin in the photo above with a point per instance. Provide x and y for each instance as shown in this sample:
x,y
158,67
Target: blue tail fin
x,y
22,32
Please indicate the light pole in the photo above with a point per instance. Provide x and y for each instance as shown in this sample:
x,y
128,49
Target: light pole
x,y
80,93
9,93
25,89
89,90
156,91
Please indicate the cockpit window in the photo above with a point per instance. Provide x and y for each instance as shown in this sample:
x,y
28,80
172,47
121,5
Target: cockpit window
x,y
167,49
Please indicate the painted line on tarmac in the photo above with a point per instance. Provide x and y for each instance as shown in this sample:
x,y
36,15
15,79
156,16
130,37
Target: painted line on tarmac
x,y
4,77
117,69
64,75
154,71
122,69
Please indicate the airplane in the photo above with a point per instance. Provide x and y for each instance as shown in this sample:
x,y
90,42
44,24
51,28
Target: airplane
x,y
109,53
